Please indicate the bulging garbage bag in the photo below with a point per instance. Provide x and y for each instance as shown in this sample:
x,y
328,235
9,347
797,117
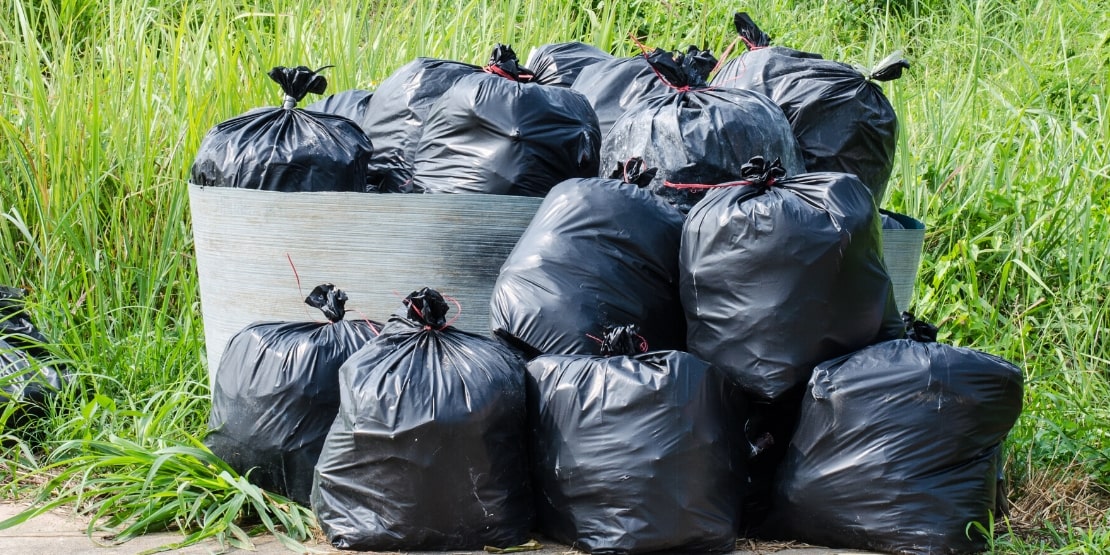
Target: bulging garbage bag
x,y
599,252
897,448
779,273
613,86
842,119
632,450
559,64
429,451
276,393
28,372
351,104
497,132
286,148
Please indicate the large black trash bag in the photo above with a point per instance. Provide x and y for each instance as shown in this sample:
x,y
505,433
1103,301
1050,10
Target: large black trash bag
x,y
351,104
286,148
632,450
697,135
613,86
429,451
897,449
276,393
598,252
496,132
29,373
780,273
839,114
559,64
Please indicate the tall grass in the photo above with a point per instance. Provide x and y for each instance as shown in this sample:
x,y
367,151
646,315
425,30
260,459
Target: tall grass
x,y
1003,154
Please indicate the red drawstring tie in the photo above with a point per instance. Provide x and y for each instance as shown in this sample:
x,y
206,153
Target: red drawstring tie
x,y
706,186
523,77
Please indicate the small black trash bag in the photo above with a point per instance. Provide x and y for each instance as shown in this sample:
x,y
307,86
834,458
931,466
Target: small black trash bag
x,y
615,85
897,448
276,393
286,148
429,451
28,373
842,119
632,450
598,252
497,132
351,104
698,136
780,273
559,64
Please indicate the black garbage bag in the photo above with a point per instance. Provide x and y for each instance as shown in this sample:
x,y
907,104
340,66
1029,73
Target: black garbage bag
x,y
559,64
276,393
29,373
496,132
395,116
598,252
897,448
780,273
429,451
842,119
632,450
286,148
613,86
699,136
351,104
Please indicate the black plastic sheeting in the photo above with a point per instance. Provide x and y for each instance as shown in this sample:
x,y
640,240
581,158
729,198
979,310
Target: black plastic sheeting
x,y
28,373
701,136
632,451
286,148
614,86
560,63
396,113
276,394
897,449
496,132
599,252
351,104
429,451
841,117
780,273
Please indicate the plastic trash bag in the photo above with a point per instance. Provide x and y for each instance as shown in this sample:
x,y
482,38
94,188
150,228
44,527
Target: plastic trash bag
x,y
28,373
632,450
276,393
351,104
429,451
779,273
897,448
497,132
599,252
559,64
285,148
613,86
842,119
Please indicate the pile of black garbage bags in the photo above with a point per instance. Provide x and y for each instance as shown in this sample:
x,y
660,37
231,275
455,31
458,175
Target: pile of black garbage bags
x,y
694,340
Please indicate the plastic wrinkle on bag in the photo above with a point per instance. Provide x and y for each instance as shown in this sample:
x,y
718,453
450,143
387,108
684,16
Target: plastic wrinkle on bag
x,y
497,132
898,448
839,114
276,394
286,148
351,104
559,64
632,450
28,375
598,252
614,86
782,273
429,451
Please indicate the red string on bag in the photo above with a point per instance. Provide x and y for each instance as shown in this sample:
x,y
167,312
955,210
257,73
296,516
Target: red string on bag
x,y
523,77
706,186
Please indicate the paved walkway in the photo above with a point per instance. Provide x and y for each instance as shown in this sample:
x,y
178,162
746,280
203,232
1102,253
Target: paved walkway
x,y
61,533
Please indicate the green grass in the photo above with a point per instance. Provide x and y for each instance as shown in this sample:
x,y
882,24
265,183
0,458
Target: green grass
x,y
1003,155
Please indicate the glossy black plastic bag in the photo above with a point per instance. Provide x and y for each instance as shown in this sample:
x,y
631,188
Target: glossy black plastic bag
x,y
28,373
780,273
559,64
351,104
496,132
842,119
613,86
286,148
699,136
429,451
897,449
599,252
276,393
633,451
